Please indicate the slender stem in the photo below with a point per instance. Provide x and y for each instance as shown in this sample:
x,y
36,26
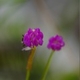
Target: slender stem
x,y
29,64
47,66
28,74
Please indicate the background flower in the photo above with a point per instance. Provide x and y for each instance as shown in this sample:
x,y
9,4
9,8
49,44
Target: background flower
x,y
56,43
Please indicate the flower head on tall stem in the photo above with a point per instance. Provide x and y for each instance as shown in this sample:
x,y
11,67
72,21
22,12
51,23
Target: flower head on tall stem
x,y
56,43
33,37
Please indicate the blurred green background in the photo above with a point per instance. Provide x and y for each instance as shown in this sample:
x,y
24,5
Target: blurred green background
x,y
53,17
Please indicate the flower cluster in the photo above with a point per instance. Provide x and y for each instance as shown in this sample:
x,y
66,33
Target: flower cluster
x,y
33,37
55,43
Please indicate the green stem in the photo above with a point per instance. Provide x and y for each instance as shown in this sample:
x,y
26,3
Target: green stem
x,y
28,74
30,61
47,66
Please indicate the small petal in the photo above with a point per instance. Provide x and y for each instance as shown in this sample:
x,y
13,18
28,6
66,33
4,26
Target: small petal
x,y
48,46
40,42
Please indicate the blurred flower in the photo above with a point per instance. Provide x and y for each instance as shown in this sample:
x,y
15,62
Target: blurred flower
x,y
33,37
56,43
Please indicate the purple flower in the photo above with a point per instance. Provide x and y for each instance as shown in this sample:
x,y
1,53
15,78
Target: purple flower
x,y
33,37
56,43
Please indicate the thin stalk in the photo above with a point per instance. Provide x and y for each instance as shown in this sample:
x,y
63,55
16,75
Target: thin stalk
x,y
30,61
47,66
28,74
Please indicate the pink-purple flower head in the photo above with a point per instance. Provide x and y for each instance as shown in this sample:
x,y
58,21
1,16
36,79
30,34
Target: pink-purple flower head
x,y
33,37
56,43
